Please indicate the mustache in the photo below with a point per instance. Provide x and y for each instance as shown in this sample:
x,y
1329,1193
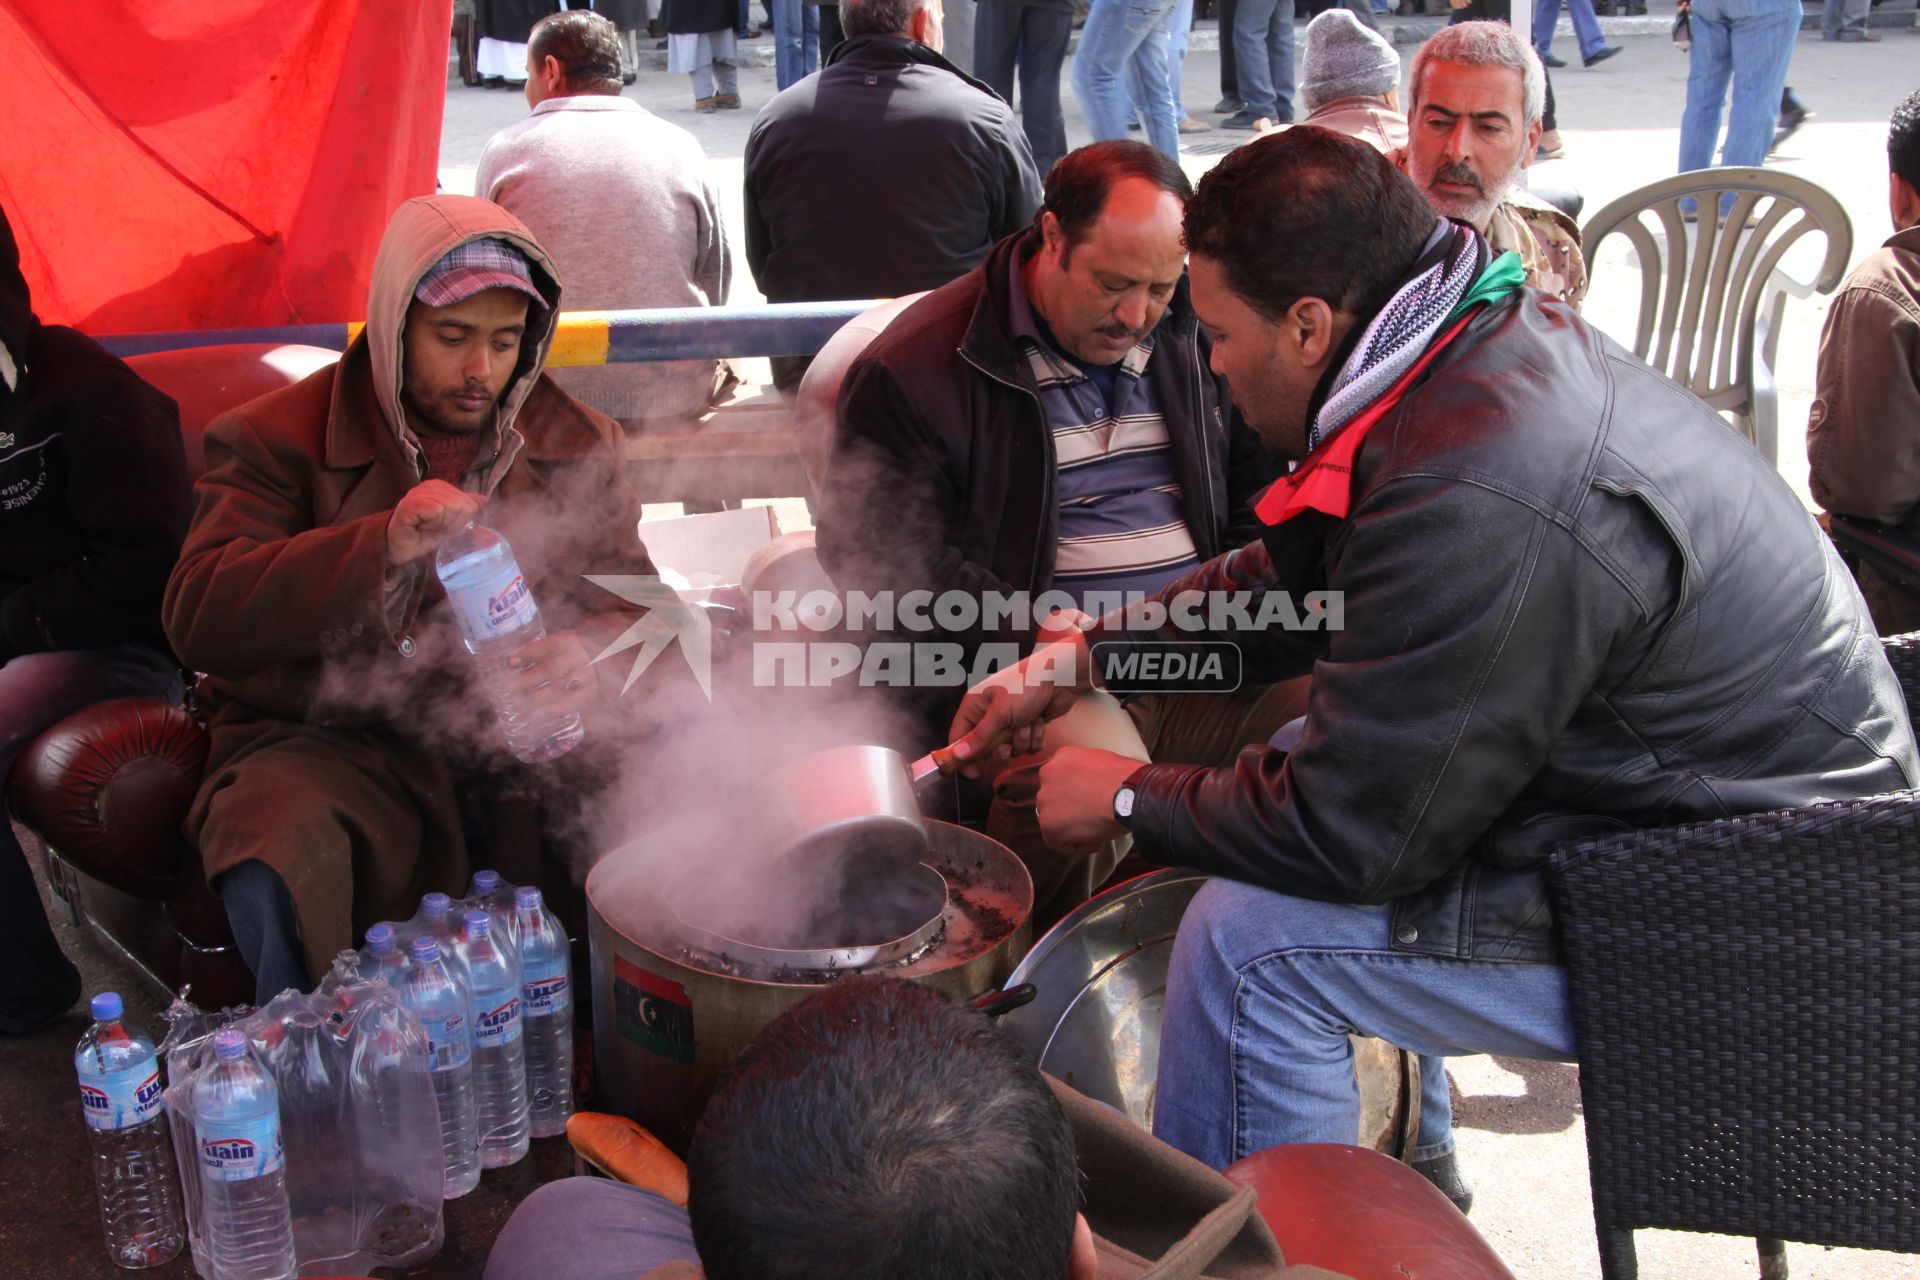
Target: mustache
x,y
1118,331
1461,174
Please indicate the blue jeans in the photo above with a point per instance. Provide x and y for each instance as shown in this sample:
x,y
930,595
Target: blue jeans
x,y
1749,42
745,28
1123,60
1010,37
796,41
1586,25
1263,55
1264,990
1844,19
37,691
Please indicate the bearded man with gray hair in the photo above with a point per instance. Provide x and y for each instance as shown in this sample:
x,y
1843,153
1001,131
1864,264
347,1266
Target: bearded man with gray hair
x,y
1477,93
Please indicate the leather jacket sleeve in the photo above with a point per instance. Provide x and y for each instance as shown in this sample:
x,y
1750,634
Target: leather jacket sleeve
x,y
1432,710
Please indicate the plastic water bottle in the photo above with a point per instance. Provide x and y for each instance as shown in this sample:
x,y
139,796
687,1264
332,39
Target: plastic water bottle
x,y
498,617
430,991
491,894
120,1096
383,959
546,989
243,1180
436,919
499,1061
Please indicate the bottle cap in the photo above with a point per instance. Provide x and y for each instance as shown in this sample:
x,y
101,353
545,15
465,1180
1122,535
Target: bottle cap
x,y
426,950
485,882
479,924
229,1044
380,938
436,904
526,898
107,1007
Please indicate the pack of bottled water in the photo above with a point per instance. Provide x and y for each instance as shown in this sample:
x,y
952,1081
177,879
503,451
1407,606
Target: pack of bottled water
x,y
309,1133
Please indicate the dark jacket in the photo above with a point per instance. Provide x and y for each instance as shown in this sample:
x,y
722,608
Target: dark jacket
x,y
943,475
888,173
695,17
1575,602
93,486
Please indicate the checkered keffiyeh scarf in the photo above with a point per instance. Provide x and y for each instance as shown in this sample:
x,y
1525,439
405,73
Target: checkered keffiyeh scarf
x,y
1453,257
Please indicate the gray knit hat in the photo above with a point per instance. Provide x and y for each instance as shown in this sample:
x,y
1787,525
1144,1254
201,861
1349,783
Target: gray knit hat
x,y
1345,60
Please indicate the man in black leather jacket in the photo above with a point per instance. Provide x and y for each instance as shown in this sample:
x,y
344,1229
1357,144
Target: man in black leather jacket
x,y
1575,602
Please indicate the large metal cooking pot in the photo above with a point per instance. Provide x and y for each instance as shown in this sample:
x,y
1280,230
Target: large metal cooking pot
x,y
1100,985
668,1014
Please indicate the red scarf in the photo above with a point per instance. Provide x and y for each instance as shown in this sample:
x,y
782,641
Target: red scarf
x,y
1324,481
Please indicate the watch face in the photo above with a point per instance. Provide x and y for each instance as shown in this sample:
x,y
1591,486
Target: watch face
x,y
1123,802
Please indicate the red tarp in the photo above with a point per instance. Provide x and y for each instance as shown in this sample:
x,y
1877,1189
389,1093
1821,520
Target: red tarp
x,y
196,164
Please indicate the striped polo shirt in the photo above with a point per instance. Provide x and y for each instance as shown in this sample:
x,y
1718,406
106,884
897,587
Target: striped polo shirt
x,y
1122,527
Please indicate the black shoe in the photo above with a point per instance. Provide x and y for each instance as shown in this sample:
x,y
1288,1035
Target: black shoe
x,y
49,1003
1793,114
1227,106
1548,60
1444,1173
1601,54
1242,119
1134,125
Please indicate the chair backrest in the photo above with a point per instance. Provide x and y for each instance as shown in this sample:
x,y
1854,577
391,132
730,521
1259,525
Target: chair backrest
x,y
1746,1002
1712,290
820,389
207,381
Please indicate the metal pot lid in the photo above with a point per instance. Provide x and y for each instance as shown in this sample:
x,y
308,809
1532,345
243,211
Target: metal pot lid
x,y
923,883
1101,979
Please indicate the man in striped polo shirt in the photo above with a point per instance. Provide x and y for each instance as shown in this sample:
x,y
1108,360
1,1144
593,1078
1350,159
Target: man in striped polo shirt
x,y
1049,423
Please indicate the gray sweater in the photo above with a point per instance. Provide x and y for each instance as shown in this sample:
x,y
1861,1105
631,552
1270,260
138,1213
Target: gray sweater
x,y
625,204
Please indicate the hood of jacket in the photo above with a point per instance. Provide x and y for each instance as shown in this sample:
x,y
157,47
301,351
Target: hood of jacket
x,y
422,232
16,313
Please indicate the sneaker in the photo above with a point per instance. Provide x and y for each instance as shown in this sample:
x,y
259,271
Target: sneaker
x,y
1548,60
1600,55
1861,37
1190,125
726,101
1227,106
1444,1173
1244,118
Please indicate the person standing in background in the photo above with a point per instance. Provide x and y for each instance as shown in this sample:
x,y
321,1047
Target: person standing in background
x,y
1748,43
1586,30
1028,36
1122,64
500,58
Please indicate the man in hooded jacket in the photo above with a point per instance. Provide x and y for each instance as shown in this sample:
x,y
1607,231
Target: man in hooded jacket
x,y
93,503
353,763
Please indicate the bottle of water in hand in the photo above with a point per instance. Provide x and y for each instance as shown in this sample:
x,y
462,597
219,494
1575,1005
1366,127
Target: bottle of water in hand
x,y
499,1061
430,991
547,1007
498,617
120,1097
243,1179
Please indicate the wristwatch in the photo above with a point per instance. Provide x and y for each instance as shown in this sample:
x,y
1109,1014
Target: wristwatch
x,y
1123,805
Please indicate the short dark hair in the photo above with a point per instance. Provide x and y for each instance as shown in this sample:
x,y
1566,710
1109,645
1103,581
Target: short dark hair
x,y
879,17
1308,213
1080,181
879,1130
586,45
1903,140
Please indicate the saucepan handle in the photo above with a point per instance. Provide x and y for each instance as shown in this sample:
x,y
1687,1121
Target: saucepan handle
x,y
995,1003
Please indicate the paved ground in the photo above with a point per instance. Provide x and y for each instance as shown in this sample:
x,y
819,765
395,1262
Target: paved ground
x,y
1520,1127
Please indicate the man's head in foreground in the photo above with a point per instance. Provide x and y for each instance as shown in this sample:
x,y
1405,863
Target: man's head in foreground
x,y
462,343
877,1129
1295,240
1476,93
1110,252
1345,60
914,19
572,53
1903,163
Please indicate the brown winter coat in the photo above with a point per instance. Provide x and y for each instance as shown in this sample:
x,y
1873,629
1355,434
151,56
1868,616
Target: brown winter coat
x,y
345,726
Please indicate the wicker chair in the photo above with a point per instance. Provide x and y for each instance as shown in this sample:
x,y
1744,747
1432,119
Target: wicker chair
x,y
1746,999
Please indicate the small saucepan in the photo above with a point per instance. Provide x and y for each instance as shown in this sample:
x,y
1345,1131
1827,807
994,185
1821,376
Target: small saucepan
x,y
854,807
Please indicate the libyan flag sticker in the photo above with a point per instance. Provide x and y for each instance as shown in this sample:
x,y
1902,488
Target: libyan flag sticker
x,y
652,1012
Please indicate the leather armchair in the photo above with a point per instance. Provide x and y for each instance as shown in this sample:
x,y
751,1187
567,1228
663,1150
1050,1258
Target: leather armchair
x,y
106,789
